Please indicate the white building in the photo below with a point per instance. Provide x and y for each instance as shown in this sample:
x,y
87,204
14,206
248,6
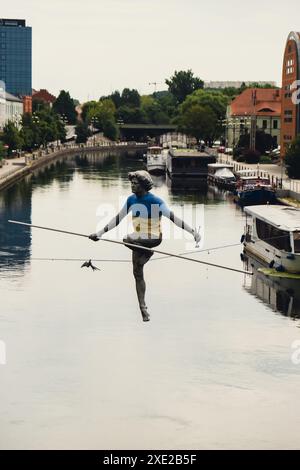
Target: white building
x,y
234,84
11,108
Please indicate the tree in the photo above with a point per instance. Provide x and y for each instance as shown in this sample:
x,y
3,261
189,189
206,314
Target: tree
x,y
263,141
116,98
292,158
11,137
213,101
182,84
130,98
82,132
152,110
198,121
110,130
2,151
64,105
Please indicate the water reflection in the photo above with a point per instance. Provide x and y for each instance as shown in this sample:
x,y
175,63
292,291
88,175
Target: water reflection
x,y
15,203
280,294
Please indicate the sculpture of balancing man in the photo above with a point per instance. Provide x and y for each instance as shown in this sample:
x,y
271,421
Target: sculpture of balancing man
x,y
147,210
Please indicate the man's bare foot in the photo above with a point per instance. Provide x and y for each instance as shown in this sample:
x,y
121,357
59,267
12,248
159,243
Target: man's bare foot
x,y
145,314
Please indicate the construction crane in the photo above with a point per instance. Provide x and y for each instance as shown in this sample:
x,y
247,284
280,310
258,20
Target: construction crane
x,y
154,83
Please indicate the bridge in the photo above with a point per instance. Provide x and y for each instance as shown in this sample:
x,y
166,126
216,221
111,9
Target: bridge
x,y
140,132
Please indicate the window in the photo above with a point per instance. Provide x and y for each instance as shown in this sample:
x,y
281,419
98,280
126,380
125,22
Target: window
x,y
265,124
275,124
273,236
288,112
289,119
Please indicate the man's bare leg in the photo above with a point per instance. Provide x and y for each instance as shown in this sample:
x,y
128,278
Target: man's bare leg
x,y
138,261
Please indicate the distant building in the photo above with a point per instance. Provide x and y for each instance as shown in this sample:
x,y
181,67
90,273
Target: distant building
x,y
290,108
234,84
254,108
43,95
11,109
15,56
27,104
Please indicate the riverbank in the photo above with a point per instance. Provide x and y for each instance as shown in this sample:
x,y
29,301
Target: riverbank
x,y
287,189
16,169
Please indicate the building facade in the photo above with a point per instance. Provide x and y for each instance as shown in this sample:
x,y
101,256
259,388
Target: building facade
x,y
44,96
15,56
234,84
254,109
11,109
290,106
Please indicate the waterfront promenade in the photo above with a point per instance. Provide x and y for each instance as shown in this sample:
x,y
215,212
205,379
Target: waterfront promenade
x,y
14,169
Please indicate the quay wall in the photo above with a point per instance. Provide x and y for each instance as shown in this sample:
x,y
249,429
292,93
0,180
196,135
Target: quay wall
x,y
35,161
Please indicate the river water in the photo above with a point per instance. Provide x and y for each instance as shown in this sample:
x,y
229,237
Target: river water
x,y
215,368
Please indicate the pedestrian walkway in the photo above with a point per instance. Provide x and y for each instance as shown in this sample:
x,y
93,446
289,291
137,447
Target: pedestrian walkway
x,y
11,165
275,172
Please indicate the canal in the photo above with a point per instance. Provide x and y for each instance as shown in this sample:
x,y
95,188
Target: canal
x,y
216,367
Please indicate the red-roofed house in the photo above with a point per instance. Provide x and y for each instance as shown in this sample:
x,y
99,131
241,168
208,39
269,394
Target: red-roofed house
x,y
43,95
261,106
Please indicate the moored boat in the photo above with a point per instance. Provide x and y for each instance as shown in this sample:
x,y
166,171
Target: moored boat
x,y
220,174
252,189
156,160
188,163
272,235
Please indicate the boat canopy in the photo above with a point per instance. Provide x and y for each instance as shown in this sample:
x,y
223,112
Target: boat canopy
x,y
224,173
282,217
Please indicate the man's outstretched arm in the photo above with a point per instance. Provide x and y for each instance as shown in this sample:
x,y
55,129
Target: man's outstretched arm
x,y
112,224
180,223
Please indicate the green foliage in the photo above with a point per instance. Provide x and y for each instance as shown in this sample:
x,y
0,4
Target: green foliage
x,y
209,108
130,98
41,128
182,84
251,156
198,121
292,158
130,115
263,141
2,151
265,159
64,105
38,105
12,137
110,130
82,132
153,111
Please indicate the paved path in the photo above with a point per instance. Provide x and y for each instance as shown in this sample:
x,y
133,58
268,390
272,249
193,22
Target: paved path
x,y
11,165
274,170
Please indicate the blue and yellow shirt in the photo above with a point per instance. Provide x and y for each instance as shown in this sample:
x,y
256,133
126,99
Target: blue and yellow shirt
x,y
146,212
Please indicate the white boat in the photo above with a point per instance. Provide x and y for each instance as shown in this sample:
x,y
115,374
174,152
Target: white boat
x,y
272,235
156,160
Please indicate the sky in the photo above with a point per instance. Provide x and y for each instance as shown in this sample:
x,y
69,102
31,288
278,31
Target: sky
x,y
94,47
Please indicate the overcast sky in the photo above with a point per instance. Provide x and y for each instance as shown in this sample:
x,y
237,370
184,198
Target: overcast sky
x,y
94,47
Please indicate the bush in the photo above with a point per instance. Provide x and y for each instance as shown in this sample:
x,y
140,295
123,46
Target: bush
x,y
241,158
292,159
251,156
264,159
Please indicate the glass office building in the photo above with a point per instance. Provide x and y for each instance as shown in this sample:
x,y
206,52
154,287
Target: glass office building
x,y
15,56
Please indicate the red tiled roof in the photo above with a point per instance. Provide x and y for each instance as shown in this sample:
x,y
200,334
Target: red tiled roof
x,y
257,100
43,95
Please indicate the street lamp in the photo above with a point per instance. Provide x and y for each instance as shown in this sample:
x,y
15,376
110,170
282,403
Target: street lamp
x,y
94,120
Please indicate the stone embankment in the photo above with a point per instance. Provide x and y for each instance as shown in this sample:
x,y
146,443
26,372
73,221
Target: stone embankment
x,y
16,169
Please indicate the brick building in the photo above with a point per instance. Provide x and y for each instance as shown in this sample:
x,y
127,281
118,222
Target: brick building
x,y
43,95
290,126
254,108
